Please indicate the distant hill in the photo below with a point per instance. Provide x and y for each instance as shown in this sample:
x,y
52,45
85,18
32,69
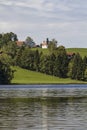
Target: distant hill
x,y
81,51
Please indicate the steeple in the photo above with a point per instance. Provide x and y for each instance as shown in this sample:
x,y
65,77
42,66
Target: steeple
x,y
47,41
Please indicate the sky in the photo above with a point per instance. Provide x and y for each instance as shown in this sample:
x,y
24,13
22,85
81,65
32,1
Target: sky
x,y
64,20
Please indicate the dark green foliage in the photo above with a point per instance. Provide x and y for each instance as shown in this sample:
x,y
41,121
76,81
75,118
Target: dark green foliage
x,y
84,68
29,42
77,68
61,62
85,62
54,64
18,56
10,49
7,37
36,60
6,74
27,59
43,64
52,45
47,64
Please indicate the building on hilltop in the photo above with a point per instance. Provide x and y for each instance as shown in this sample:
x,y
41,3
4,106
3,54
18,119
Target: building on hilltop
x,y
70,55
20,43
44,44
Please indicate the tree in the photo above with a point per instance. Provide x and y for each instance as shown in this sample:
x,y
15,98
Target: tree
x,y
61,62
27,59
52,64
76,70
7,37
18,56
6,74
29,41
43,64
47,64
13,36
10,48
36,60
52,45
85,68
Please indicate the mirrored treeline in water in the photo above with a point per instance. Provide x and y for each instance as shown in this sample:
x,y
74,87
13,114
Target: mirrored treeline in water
x,y
43,108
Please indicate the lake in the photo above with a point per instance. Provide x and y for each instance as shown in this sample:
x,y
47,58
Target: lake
x,y
43,107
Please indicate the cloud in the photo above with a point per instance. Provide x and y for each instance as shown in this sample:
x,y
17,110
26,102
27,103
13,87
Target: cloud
x,y
65,20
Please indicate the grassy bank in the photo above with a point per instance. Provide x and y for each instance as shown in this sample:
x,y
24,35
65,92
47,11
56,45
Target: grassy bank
x,y
23,76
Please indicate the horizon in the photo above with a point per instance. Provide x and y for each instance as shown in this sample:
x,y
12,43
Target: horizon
x,y
65,20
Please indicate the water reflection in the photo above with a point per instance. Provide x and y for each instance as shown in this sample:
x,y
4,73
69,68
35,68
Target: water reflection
x,y
43,109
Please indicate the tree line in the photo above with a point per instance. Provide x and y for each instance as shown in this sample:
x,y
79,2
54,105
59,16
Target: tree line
x,y
56,63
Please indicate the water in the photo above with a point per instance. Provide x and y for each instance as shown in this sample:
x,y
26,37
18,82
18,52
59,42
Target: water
x,y
43,107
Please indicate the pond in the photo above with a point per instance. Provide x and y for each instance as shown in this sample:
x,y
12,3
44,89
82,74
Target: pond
x,y
43,107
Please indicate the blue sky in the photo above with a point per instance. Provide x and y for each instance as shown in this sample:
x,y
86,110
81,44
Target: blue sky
x,y
64,20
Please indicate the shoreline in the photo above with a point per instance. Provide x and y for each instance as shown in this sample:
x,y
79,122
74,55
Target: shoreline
x,y
44,84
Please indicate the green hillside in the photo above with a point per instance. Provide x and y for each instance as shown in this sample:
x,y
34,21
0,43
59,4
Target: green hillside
x,y
81,51
23,76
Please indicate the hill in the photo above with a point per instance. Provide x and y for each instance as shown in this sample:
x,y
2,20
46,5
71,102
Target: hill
x,y
23,76
81,51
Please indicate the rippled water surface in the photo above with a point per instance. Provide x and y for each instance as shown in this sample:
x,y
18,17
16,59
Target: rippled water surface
x,y
43,107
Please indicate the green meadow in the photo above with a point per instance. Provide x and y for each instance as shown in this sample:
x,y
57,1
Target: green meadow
x,y
81,51
23,76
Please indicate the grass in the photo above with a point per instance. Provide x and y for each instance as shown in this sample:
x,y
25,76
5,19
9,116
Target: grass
x,y
81,51
23,76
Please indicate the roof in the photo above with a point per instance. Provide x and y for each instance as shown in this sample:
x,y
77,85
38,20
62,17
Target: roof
x,y
70,53
19,43
44,43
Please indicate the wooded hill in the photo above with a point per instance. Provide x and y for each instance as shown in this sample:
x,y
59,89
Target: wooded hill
x,y
55,61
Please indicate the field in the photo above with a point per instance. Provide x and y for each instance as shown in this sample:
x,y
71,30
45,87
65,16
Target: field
x,y
23,76
81,51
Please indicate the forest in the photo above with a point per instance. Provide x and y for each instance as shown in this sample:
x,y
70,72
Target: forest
x,y
56,63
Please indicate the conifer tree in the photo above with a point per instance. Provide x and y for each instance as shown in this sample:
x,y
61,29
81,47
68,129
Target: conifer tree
x,y
77,71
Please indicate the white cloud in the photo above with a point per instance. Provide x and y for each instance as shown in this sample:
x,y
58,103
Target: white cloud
x,y
37,4
5,2
64,20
